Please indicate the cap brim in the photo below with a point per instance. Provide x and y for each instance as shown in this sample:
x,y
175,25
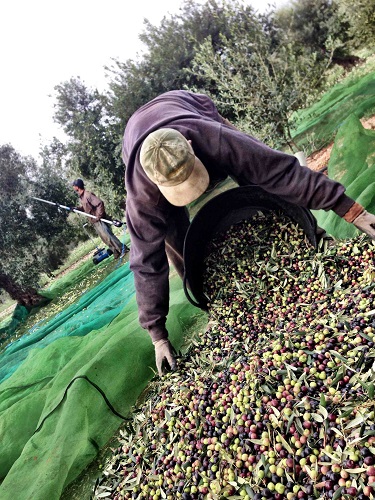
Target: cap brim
x,y
189,190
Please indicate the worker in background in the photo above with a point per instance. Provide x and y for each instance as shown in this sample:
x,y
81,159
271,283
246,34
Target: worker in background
x,y
174,148
93,205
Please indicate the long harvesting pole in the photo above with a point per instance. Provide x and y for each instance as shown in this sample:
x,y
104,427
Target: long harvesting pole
x,y
115,222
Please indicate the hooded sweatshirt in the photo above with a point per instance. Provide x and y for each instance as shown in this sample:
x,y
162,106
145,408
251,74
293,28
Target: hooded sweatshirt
x,y
224,151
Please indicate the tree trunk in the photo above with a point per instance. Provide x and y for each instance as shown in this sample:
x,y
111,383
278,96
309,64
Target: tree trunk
x,y
27,297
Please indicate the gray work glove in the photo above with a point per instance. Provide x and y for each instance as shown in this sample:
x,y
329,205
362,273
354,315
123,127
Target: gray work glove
x,y
365,222
164,353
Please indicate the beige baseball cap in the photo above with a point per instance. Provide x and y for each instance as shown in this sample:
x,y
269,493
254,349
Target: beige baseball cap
x,y
169,161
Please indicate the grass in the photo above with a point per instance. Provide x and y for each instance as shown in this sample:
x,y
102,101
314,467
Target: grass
x,y
6,303
78,253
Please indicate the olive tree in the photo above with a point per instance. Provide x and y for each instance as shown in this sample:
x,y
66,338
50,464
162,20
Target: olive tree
x,y
360,17
170,48
258,79
93,147
34,238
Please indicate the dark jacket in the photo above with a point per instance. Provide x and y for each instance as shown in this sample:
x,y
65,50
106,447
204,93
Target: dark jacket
x,y
92,205
224,151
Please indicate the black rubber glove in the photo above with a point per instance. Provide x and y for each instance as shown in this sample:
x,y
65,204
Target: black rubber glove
x,y
164,354
365,222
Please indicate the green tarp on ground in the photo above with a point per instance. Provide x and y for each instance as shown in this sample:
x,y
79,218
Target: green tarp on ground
x,y
352,163
319,123
53,417
93,310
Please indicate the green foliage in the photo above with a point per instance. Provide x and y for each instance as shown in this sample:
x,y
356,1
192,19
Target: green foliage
x,y
170,49
92,150
33,236
360,16
258,81
259,69
316,26
54,156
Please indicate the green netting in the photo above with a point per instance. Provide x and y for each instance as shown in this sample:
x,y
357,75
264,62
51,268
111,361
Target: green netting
x,y
53,419
319,123
9,326
81,273
351,163
93,310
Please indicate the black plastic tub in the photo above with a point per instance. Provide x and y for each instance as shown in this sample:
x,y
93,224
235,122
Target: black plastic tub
x,y
221,212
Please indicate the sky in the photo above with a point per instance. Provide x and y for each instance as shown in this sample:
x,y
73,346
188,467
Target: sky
x,y
47,42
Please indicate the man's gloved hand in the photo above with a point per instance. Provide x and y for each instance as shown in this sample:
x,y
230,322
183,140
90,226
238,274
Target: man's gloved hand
x,y
365,222
164,353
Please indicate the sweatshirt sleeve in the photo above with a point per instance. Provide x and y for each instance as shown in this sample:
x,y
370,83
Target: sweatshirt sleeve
x,y
252,162
149,263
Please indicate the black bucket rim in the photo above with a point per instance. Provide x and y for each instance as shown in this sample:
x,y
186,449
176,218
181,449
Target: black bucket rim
x,y
215,217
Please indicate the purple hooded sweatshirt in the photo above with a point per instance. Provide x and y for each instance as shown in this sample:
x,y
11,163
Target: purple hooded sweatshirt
x,y
155,225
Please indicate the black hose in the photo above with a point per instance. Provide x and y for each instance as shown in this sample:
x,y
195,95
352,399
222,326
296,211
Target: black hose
x,y
96,387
